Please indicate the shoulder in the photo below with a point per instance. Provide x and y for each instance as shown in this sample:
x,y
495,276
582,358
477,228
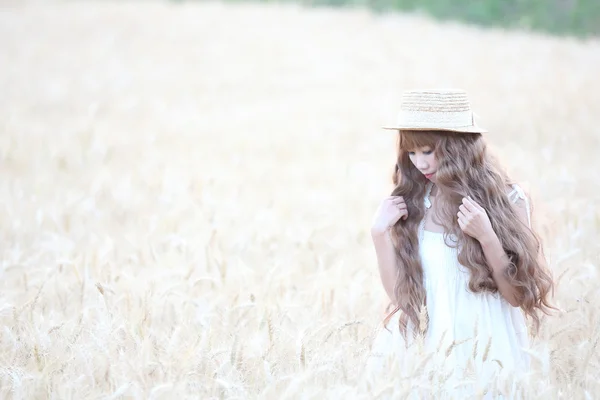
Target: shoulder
x,y
516,192
519,198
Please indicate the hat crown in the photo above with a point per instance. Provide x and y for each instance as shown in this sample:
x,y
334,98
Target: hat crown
x,y
448,100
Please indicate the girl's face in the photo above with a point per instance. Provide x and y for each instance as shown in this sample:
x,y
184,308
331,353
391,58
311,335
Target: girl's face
x,y
424,160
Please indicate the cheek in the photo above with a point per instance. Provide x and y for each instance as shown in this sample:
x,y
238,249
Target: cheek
x,y
433,162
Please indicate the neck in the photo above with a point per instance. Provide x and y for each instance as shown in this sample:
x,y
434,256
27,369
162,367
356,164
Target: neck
x,y
433,189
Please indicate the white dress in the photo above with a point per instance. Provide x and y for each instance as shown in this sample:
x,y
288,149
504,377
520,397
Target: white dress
x,y
472,339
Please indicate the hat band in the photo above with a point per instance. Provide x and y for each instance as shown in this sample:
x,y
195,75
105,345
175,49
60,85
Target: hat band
x,y
425,119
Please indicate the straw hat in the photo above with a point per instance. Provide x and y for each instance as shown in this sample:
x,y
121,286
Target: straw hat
x,y
437,109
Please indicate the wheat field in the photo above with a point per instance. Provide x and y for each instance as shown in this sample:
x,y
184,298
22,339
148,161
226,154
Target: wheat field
x,y
187,189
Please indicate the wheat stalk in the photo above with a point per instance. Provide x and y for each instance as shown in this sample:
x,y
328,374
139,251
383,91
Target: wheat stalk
x,y
487,349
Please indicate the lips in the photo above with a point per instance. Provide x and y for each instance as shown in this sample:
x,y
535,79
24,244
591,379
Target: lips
x,y
428,176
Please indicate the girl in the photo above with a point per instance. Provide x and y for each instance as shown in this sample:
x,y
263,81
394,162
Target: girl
x,y
456,252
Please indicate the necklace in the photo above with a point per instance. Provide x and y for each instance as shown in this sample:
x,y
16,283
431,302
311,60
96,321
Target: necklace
x,y
427,203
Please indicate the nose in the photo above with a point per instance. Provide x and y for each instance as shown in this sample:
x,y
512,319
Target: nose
x,y
422,163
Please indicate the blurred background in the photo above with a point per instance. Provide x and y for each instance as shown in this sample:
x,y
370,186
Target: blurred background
x,y
187,187
560,17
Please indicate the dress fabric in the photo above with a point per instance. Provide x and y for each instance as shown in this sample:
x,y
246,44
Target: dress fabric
x,y
476,335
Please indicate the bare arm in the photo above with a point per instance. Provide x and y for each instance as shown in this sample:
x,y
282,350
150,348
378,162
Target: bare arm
x,y
498,261
388,213
386,260
474,221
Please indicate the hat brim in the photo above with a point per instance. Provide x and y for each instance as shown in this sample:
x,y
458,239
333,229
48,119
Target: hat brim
x,y
465,129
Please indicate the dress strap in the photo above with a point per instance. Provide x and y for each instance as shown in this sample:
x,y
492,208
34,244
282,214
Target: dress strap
x,y
518,193
427,204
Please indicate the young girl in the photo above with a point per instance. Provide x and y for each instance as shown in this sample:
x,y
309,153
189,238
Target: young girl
x,y
456,252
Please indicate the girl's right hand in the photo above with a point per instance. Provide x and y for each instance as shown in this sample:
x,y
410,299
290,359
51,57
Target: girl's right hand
x,y
388,213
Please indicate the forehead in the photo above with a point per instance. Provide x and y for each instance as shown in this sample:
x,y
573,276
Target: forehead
x,y
413,140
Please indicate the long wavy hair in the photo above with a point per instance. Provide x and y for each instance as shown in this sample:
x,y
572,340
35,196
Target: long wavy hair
x,y
465,168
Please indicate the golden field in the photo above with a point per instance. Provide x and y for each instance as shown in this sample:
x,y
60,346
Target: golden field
x,y
187,189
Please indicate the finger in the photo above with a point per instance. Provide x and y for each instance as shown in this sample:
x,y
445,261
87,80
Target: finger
x,y
398,199
460,223
468,205
463,209
461,216
403,213
475,203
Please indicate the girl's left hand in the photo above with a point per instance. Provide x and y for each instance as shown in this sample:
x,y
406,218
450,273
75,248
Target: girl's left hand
x,y
473,220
